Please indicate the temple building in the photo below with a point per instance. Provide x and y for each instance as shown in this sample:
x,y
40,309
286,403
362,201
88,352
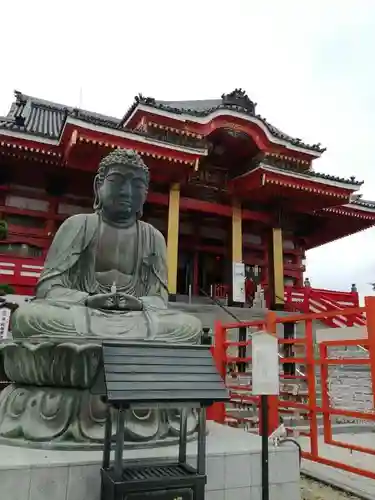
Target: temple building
x,y
228,189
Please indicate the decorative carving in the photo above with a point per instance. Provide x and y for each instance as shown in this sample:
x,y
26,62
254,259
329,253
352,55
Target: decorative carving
x,y
209,177
239,98
175,138
58,417
50,363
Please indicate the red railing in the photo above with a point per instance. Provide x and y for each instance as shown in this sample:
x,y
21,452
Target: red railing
x,y
236,370
317,300
21,273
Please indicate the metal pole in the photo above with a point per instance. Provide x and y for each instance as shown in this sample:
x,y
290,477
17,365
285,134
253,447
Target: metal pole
x,y
182,440
190,293
201,458
119,441
265,464
107,439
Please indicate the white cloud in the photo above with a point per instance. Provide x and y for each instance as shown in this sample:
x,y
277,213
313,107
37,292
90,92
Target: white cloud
x,y
307,64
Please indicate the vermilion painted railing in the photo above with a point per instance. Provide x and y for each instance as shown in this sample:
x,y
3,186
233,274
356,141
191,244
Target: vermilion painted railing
x,y
236,370
21,273
317,300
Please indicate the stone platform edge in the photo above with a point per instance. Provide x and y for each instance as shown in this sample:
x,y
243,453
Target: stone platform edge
x,y
233,469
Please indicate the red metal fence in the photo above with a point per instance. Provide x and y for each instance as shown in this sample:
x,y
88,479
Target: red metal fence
x,y
300,392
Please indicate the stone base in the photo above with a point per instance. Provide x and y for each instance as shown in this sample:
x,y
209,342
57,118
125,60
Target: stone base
x,y
233,469
50,405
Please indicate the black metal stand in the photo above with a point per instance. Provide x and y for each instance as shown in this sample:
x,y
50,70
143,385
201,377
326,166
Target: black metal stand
x,y
242,337
126,364
139,480
265,462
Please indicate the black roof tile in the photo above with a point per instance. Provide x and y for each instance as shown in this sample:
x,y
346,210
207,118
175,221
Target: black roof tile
x,y
46,119
363,203
311,173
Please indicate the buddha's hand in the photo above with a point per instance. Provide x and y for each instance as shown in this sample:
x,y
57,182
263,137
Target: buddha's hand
x,y
102,301
127,302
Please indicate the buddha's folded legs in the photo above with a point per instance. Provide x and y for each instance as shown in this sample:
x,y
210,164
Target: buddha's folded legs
x,y
41,317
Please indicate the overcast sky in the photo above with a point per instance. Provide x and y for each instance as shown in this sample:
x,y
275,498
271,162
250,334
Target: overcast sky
x,y
308,64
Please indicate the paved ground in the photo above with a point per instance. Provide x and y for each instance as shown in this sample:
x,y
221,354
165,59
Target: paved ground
x,y
315,490
357,484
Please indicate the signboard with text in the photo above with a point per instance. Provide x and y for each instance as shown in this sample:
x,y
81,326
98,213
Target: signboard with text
x,y
265,365
4,323
239,282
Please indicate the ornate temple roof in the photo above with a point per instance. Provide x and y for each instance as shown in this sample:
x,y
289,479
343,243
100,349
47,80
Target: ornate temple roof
x,y
40,118
237,101
43,118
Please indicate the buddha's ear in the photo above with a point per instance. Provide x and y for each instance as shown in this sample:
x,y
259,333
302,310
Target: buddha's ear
x,y
97,201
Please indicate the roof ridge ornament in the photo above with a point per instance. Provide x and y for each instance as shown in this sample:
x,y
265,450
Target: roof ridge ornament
x,y
238,97
20,97
141,99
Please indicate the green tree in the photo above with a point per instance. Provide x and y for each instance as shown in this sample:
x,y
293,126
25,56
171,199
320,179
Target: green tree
x,y
6,289
3,229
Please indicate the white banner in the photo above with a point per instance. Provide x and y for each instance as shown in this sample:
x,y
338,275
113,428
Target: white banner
x,y
238,283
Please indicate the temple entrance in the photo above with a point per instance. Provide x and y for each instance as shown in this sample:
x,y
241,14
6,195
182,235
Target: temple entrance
x,y
201,271
211,271
185,272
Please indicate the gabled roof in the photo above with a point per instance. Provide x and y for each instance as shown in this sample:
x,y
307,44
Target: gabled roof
x,y
47,119
43,118
236,101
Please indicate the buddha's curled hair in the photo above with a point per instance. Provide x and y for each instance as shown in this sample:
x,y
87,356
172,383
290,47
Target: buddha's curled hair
x,y
125,157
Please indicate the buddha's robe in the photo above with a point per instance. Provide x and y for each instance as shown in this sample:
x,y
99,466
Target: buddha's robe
x,y
70,276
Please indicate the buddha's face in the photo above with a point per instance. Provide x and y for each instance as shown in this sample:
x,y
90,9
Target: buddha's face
x,y
123,193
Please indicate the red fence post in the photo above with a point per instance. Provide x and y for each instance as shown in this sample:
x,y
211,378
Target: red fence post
x,y
216,412
306,299
370,320
326,401
311,386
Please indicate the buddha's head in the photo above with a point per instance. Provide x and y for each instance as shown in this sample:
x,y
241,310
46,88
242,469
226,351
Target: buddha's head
x,y
121,186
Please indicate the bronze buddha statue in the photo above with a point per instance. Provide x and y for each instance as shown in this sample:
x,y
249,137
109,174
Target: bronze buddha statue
x,y
105,274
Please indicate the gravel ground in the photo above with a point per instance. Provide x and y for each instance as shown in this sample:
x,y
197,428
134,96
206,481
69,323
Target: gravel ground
x,y
315,490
